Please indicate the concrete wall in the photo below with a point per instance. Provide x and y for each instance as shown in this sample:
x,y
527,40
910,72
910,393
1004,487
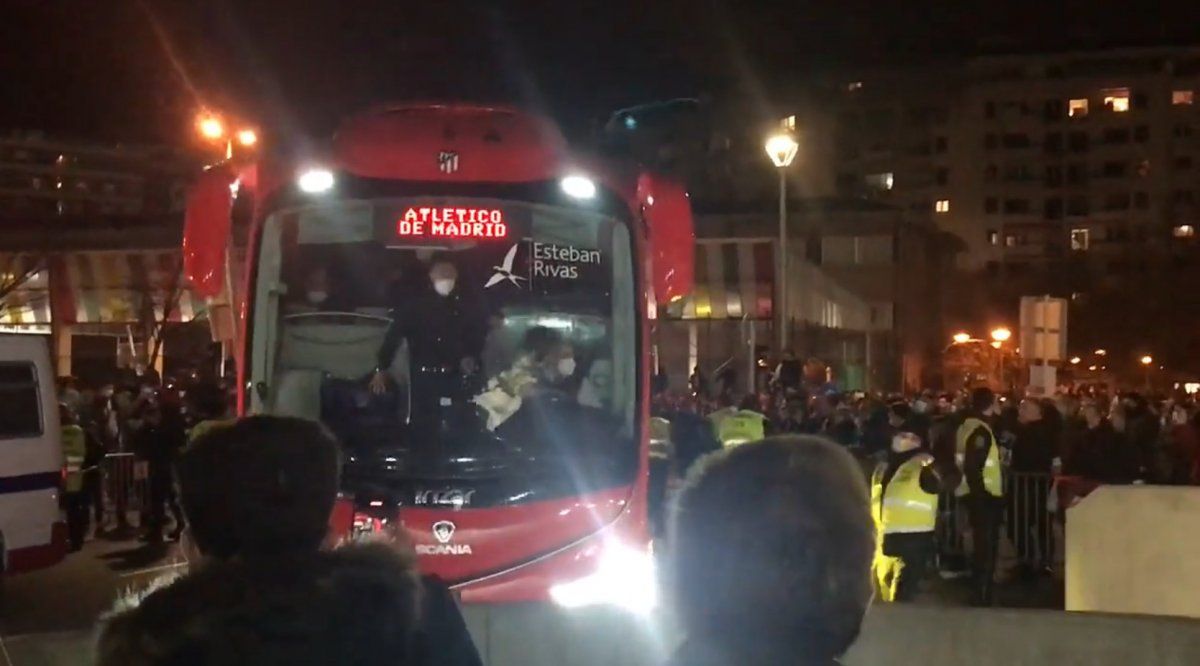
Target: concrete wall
x,y
1134,549
530,635
540,635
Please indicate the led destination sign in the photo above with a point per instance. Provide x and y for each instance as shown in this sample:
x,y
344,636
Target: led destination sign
x,y
451,222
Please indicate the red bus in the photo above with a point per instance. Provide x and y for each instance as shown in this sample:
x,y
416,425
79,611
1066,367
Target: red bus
x,y
465,303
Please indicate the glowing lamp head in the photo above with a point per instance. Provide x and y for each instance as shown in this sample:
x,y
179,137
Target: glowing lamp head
x,y
960,338
247,137
1075,360
1001,334
1147,360
210,127
782,149
578,187
315,180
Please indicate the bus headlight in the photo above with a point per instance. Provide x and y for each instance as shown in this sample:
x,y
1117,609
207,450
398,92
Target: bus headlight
x,y
625,577
579,187
315,180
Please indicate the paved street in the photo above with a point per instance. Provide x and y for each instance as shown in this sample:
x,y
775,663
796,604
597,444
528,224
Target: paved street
x,y
47,617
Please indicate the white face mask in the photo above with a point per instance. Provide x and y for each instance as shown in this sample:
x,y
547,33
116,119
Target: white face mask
x,y
566,366
905,442
443,287
317,297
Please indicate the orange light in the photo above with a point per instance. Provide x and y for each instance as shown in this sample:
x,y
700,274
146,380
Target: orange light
x,y
1147,360
1100,352
1001,334
1075,360
996,344
247,137
960,338
210,127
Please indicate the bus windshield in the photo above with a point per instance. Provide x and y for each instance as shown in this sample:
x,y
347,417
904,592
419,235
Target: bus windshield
x,y
468,352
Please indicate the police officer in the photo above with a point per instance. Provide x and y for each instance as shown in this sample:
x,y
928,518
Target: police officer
x,y
904,499
977,453
738,426
75,500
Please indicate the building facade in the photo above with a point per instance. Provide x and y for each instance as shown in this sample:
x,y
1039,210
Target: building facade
x,y
43,177
89,253
1073,174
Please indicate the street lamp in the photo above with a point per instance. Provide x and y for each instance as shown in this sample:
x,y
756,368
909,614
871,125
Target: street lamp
x,y
210,127
1146,361
961,338
782,149
1075,360
1001,334
1100,352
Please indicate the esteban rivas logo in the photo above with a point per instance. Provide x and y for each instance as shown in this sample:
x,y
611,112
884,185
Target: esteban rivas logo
x,y
505,270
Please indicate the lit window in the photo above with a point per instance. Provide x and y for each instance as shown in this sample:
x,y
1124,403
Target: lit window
x,y
1184,231
1077,108
1117,100
993,237
1080,240
1181,97
1010,240
881,181
942,205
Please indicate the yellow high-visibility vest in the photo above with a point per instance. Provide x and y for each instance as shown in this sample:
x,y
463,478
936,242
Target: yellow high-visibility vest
x,y
740,427
660,437
206,426
74,448
903,506
991,468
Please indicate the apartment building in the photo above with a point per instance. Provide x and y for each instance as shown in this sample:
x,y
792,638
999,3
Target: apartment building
x,y
44,178
1033,160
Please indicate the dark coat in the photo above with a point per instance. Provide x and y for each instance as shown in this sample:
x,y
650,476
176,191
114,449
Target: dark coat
x,y
356,605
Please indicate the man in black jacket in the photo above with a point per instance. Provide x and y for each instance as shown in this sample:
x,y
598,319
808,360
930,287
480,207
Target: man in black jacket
x,y
771,546
1034,451
260,588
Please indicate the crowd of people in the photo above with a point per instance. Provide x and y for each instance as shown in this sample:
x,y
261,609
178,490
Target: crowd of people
x,y
132,430
775,547
1106,438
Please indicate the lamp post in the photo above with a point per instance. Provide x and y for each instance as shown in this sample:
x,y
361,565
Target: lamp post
x,y
782,149
212,129
1000,335
1147,361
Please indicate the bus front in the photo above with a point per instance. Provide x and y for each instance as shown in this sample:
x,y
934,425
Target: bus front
x,y
477,346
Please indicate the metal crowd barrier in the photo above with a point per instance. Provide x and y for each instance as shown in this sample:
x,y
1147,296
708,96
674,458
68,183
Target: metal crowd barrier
x,y
1032,507
125,486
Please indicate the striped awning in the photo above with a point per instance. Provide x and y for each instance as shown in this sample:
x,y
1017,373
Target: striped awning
x,y
25,291
99,287
734,279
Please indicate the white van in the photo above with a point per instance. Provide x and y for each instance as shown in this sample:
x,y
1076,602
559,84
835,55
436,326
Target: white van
x,y
32,532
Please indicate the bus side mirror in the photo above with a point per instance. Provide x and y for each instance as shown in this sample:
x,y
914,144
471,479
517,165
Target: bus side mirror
x,y
206,226
667,212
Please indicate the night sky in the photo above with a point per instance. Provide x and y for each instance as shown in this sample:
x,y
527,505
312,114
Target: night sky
x,y
137,70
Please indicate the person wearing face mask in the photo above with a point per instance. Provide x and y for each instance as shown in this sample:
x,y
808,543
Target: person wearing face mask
x,y
904,500
444,333
543,365
320,292
596,389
